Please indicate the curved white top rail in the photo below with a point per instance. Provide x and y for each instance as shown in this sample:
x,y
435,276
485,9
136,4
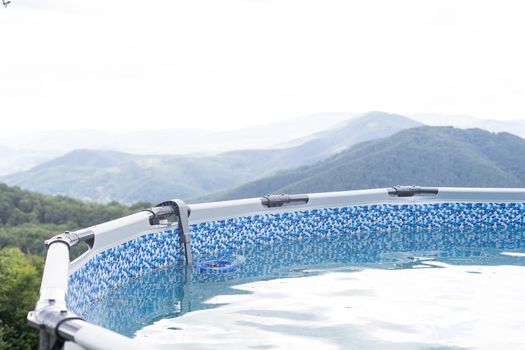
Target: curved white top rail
x,y
253,206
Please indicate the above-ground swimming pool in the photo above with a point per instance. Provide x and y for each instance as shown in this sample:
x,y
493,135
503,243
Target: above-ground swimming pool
x,y
399,268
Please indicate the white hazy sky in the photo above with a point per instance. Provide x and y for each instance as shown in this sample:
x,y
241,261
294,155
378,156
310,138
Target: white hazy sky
x,y
127,64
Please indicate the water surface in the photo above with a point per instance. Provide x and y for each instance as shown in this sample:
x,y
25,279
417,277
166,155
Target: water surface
x,y
397,290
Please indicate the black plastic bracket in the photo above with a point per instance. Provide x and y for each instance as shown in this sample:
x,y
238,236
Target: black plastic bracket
x,y
278,200
48,320
71,239
175,207
68,238
409,191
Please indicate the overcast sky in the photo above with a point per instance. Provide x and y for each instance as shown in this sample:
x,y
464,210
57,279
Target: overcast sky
x,y
220,64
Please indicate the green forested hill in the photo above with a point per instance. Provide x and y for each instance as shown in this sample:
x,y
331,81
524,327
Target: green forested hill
x,y
106,175
429,156
28,218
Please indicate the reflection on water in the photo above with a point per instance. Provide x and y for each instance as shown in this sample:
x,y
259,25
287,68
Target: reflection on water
x,y
447,307
165,295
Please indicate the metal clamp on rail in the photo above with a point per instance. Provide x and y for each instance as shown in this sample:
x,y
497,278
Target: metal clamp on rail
x,y
54,324
409,191
175,207
278,200
71,239
161,213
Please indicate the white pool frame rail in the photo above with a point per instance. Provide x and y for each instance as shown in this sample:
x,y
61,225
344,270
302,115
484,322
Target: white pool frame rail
x,y
61,329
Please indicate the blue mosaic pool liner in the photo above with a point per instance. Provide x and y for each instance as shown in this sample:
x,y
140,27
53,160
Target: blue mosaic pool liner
x,y
215,239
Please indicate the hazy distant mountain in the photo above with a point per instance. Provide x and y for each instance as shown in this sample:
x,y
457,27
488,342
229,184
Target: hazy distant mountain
x,y
428,156
24,152
516,127
19,160
371,125
107,175
171,140
324,144
29,150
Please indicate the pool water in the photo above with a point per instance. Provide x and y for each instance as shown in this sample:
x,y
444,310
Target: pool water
x,y
365,290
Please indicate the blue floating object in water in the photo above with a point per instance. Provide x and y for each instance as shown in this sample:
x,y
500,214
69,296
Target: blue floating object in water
x,y
216,266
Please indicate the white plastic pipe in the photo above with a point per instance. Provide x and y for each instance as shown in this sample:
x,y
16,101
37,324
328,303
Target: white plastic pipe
x,y
55,277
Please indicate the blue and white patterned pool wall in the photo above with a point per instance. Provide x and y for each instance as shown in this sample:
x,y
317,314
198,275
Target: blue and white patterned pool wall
x,y
117,265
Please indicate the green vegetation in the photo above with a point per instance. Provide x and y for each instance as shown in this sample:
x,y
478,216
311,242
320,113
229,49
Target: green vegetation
x,y
104,176
427,156
19,285
26,220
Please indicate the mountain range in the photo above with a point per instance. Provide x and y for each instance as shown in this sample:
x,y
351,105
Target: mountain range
x,y
427,156
15,160
169,139
23,152
516,127
108,175
372,150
